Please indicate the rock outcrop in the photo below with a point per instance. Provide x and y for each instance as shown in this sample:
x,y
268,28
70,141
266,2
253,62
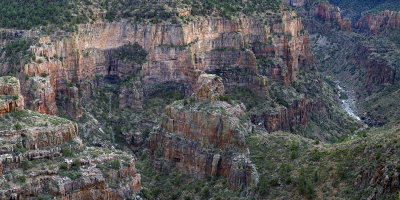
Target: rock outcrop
x,y
42,155
98,178
205,137
332,17
379,72
10,95
383,22
287,118
208,86
40,95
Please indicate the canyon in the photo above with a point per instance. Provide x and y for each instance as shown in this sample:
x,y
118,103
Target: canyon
x,y
70,64
200,100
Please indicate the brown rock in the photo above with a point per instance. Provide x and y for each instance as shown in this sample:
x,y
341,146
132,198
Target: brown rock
x,y
10,95
208,86
287,118
332,17
385,20
205,138
40,96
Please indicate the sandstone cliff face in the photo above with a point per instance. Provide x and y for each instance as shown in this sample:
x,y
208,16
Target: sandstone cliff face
x,y
175,53
287,118
40,95
10,95
131,95
332,17
383,22
205,138
375,60
379,72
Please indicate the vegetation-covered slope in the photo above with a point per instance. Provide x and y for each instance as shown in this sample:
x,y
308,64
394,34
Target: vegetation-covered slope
x,y
292,167
355,8
26,14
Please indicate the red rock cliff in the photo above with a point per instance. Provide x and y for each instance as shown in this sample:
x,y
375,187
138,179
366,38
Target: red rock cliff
x,y
384,21
175,53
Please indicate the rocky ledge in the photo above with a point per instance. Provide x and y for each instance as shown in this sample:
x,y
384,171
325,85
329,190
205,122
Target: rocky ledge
x,y
205,137
42,156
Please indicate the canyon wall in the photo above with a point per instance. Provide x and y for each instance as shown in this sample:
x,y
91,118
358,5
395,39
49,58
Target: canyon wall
x,y
376,59
175,54
288,118
385,22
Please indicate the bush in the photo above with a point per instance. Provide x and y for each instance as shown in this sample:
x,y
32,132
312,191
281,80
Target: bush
x,y
76,164
274,182
398,167
263,186
132,53
74,175
64,166
44,75
305,186
116,164
18,126
145,193
22,179
26,14
25,164
67,152
226,98
205,193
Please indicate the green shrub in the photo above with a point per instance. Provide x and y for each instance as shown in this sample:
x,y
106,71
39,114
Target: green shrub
x,y
26,14
64,166
274,182
44,75
305,186
116,164
205,193
226,98
145,193
398,167
74,175
133,53
18,126
76,164
293,155
25,164
67,152
263,186
22,179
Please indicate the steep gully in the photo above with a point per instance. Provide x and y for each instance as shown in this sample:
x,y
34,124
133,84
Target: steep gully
x,y
348,101
349,105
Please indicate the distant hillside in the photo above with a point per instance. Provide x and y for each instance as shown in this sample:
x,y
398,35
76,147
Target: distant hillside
x,y
353,8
